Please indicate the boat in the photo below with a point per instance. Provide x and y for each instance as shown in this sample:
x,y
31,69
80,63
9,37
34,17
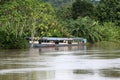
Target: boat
x,y
59,42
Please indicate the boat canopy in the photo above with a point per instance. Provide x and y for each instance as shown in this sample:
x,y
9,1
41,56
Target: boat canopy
x,y
59,39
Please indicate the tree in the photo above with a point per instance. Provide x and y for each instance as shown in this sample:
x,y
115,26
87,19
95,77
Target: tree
x,y
58,3
109,11
85,27
28,14
25,17
64,12
82,8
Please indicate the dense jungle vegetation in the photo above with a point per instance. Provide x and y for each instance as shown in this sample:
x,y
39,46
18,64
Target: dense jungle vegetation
x,y
95,20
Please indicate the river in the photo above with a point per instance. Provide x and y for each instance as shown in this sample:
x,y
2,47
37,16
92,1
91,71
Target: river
x,y
61,63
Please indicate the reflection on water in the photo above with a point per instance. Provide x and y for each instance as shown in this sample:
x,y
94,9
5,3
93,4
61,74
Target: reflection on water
x,y
60,63
110,72
83,72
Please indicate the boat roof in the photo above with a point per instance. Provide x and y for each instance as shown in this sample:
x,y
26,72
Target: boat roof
x,y
55,38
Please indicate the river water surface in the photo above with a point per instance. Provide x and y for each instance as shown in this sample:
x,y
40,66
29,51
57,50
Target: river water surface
x,y
61,63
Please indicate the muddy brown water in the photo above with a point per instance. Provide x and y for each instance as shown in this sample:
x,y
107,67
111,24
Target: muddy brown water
x,y
61,63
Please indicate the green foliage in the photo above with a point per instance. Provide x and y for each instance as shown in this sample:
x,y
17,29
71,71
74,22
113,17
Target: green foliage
x,y
58,29
57,3
10,41
82,8
20,18
92,31
85,27
109,11
64,12
24,17
110,32
38,17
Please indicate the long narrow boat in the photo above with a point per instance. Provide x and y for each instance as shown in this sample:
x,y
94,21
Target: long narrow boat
x,y
53,41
